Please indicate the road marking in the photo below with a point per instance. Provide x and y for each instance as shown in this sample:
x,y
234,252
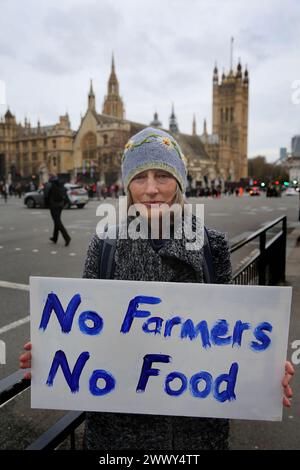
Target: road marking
x,y
35,251
1,247
72,254
53,252
14,324
14,285
216,214
18,249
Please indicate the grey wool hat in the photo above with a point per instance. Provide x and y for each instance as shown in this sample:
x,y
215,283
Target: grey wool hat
x,y
153,149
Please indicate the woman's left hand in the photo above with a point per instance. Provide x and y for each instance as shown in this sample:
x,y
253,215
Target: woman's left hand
x,y
287,390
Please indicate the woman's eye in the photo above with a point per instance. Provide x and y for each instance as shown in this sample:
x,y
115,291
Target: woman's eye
x,y
139,177
163,176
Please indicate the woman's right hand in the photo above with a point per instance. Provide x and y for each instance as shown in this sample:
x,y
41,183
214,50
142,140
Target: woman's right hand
x,y
25,360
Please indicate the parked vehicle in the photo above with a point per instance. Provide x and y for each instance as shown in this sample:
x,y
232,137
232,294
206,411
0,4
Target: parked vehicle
x,y
291,192
254,191
76,195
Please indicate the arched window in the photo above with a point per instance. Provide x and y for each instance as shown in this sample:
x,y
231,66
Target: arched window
x,y
105,139
88,146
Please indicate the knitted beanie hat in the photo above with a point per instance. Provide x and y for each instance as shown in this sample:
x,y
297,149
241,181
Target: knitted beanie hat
x,y
153,149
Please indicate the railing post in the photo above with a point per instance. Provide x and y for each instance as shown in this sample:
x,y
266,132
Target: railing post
x,y
284,226
72,440
262,259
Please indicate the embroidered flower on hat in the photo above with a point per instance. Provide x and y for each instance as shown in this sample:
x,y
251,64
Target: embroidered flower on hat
x,y
129,145
166,142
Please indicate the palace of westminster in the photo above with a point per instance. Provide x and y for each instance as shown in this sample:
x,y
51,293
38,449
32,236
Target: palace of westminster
x,y
96,147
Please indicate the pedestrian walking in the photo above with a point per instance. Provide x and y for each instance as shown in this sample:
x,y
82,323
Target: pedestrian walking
x,y
55,199
4,191
98,190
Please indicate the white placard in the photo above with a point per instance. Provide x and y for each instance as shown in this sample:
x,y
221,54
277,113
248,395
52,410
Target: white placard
x,y
159,348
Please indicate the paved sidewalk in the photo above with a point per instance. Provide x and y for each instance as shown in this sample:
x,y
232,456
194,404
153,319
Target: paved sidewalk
x,y
285,434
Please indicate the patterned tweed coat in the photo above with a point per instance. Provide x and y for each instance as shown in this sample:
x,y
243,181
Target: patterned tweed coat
x,y
141,260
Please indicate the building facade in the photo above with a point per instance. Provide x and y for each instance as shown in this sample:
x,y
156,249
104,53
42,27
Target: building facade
x,y
100,140
96,148
293,160
27,150
228,143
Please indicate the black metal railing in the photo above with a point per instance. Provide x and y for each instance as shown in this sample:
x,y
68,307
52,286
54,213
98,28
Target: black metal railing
x,y
265,267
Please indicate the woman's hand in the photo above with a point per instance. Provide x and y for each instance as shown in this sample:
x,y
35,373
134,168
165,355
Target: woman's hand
x,y
287,390
25,360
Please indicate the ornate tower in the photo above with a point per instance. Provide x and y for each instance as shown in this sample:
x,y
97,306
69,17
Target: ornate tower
x,y
194,126
156,122
230,121
173,126
113,104
91,99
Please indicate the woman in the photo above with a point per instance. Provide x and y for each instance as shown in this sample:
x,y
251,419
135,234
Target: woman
x,y
154,173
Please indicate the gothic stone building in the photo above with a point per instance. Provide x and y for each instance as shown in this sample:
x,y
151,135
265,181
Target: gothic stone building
x,y
97,146
27,151
100,140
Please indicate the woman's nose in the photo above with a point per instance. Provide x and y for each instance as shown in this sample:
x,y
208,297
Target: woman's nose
x,y
151,185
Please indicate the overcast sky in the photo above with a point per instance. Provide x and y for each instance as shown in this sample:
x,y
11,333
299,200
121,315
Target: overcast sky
x,y
165,51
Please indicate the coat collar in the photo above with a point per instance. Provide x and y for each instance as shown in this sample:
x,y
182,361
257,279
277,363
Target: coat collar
x,y
176,247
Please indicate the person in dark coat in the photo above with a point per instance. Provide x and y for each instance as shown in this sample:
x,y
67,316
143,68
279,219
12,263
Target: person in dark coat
x,y
55,199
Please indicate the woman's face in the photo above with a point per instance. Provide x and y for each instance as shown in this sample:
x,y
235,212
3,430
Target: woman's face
x,y
153,188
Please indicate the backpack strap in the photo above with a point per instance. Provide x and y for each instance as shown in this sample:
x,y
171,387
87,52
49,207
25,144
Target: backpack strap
x,y
107,258
208,264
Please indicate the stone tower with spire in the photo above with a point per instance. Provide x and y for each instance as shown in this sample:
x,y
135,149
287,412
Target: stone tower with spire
x,y
156,122
230,121
113,103
173,126
194,126
91,98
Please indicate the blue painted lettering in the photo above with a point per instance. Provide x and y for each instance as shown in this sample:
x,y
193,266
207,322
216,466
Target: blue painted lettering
x,y
110,382
259,334
65,318
172,376
147,370
230,378
239,328
194,383
157,323
95,318
72,378
189,330
133,312
218,330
